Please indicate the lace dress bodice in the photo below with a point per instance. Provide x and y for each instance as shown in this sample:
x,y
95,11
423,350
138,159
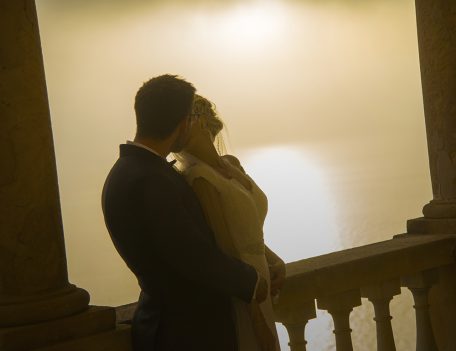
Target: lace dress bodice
x,y
244,212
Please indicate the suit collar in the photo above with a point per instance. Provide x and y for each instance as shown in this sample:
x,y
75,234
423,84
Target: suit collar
x,y
143,146
127,150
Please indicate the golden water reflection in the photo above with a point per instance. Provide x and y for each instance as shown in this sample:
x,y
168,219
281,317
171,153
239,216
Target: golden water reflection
x,y
324,198
301,218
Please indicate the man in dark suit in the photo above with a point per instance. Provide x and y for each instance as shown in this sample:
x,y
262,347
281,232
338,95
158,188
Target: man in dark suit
x,y
158,227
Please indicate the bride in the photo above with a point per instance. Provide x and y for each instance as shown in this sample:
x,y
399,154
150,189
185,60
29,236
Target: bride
x,y
235,208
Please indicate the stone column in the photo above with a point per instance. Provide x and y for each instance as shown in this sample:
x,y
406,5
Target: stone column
x,y
39,308
33,282
436,23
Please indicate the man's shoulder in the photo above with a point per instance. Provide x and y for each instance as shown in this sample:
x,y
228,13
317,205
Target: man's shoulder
x,y
129,170
131,183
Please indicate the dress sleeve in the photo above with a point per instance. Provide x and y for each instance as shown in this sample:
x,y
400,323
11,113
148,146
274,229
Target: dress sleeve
x,y
211,203
176,239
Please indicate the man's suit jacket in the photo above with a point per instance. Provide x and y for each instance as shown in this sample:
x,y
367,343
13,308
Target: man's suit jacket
x,y
157,225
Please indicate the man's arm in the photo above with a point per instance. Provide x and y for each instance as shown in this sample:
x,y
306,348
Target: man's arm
x,y
174,237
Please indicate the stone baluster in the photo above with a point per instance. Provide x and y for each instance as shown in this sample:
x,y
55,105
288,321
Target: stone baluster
x,y
294,315
380,295
420,284
340,306
296,334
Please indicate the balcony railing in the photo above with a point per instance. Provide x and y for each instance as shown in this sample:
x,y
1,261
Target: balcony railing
x,y
337,281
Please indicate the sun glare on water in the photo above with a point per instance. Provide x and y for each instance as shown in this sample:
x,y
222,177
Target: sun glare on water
x,y
301,219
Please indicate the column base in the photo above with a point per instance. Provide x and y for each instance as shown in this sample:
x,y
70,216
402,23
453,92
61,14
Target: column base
x,y
424,225
440,209
47,306
93,321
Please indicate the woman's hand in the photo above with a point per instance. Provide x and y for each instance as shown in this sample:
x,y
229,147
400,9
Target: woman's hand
x,y
261,289
277,272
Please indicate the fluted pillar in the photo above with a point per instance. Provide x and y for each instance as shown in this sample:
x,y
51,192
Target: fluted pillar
x,y
33,283
436,24
39,308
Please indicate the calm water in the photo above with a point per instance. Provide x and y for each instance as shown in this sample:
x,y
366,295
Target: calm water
x,y
322,200
323,104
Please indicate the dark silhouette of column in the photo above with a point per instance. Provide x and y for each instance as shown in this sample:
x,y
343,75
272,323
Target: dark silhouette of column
x,y
436,24
38,306
34,283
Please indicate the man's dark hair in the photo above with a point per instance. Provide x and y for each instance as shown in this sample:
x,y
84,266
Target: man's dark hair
x,y
161,104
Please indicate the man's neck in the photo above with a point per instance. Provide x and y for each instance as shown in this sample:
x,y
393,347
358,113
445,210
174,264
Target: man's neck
x,y
161,147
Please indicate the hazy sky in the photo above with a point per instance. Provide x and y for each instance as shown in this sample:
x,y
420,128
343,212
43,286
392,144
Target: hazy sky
x,y
297,71
322,100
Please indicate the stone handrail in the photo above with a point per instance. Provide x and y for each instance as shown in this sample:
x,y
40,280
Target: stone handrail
x,y
338,280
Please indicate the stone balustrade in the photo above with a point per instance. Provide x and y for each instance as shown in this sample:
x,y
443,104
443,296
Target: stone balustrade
x,y
338,280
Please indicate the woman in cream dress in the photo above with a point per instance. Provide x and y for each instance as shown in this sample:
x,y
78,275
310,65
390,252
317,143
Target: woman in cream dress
x,y
235,208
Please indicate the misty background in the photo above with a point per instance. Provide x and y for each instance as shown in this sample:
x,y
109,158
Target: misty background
x,y
322,100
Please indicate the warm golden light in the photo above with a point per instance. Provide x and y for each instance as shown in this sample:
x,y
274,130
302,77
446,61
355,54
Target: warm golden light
x,y
251,26
322,100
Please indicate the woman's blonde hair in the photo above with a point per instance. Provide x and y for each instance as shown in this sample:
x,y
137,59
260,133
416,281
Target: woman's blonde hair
x,y
205,110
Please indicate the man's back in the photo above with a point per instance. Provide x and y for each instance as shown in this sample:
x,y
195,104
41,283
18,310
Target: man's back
x,y
158,228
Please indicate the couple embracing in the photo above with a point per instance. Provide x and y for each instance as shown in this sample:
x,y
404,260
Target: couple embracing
x,y
191,232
